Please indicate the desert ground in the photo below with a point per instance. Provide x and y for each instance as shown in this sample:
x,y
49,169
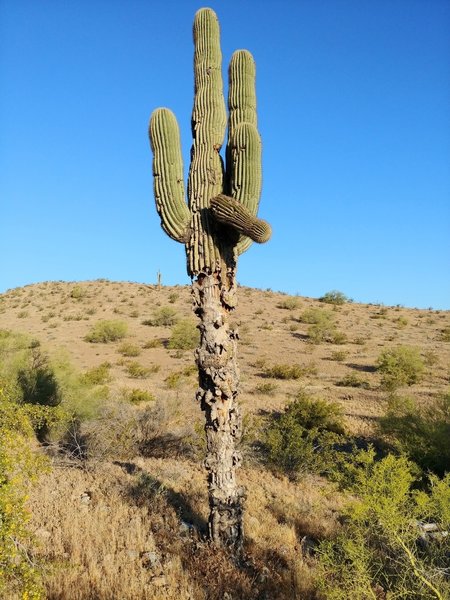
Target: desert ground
x,y
128,521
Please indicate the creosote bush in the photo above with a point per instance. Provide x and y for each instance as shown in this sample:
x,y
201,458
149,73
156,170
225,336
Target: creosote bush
x,y
334,297
107,331
400,366
302,438
166,316
420,431
185,335
128,349
77,292
288,303
137,371
315,315
283,371
137,396
97,375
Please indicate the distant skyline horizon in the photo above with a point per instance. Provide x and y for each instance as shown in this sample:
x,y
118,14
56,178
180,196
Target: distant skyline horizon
x,y
354,114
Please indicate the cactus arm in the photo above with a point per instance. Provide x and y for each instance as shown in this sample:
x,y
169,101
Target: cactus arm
x,y
244,143
228,211
246,178
241,90
168,174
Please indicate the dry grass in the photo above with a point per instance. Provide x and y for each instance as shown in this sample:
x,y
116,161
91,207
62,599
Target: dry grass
x,y
132,527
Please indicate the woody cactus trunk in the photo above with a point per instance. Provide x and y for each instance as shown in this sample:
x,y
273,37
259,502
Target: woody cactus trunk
x,y
216,225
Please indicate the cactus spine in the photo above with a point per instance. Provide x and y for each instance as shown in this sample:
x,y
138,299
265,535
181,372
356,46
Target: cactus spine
x,y
218,223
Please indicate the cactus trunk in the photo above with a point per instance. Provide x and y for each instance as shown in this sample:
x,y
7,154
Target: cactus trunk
x,y
218,223
218,390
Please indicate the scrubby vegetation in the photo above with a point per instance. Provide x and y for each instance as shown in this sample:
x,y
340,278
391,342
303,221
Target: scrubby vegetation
x,y
334,297
382,549
107,331
303,437
400,366
421,432
347,480
185,335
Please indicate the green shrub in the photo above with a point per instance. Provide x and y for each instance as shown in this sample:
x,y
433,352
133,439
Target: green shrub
x,y
137,396
267,388
376,554
338,337
176,378
173,297
137,371
338,355
166,316
97,375
421,431
400,366
156,343
20,466
107,331
313,316
325,331
37,381
185,336
128,349
288,303
401,322
334,297
283,371
77,292
302,438
353,380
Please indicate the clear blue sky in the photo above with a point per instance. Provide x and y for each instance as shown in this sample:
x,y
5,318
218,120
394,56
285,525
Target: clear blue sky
x,y
354,113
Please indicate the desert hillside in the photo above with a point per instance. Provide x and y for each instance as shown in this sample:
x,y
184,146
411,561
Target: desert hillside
x,y
121,512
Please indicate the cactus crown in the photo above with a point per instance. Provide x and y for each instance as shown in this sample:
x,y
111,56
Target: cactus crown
x,y
214,231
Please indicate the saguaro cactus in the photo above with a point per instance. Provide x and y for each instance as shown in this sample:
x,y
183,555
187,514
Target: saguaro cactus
x,y
218,223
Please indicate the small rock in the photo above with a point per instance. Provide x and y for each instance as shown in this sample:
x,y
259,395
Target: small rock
x,y
159,580
44,534
308,546
185,528
150,559
132,554
85,498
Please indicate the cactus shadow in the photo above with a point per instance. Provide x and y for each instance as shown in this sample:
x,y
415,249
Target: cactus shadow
x,y
362,368
300,336
165,445
147,490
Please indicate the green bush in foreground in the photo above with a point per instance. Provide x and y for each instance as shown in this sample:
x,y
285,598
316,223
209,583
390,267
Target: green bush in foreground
x,y
302,438
376,553
400,366
421,432
19,468
107,331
